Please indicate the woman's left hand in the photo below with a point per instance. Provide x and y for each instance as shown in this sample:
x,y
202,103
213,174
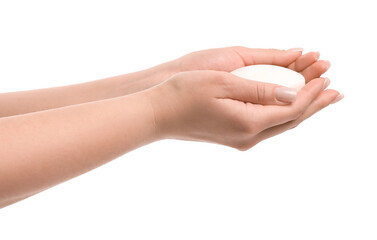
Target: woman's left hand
x,y
230,58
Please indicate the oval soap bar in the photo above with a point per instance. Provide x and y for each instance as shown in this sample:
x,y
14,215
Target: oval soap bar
x,y
272,74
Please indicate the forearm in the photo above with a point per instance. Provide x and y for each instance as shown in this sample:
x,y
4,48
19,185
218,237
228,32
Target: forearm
x,y
22,102
39,150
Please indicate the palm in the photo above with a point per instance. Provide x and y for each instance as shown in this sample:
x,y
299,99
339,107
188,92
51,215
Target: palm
x,y
229,59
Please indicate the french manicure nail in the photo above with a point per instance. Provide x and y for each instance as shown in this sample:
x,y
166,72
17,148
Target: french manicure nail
x,y
338,98
295,50
284,94
328,64
326,83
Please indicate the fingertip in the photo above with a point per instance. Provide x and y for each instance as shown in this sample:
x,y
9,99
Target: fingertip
x,y
326,83
310,92
331,92
328,95
337,98
312,57
300,50
316,55
326,64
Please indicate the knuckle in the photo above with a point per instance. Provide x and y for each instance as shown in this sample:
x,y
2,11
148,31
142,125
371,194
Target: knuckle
x,y
238,47
294,125
293,115
246,146
274,58
224,81
221,78
242,148
255,128
260,93
249,128
297,113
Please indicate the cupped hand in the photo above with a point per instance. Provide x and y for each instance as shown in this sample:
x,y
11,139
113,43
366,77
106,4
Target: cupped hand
x,y
222,108
230,58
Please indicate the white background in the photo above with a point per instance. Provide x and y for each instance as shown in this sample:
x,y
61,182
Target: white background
x,y
318,181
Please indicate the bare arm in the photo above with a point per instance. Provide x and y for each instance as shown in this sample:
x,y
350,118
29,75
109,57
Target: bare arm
x,y
22,102
39,150
220,59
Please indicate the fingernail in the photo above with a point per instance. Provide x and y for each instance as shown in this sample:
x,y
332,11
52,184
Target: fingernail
x,y
328,64
338,98
318,54
326,83
284,94
296,50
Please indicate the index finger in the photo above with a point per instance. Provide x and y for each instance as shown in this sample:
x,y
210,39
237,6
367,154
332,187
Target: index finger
x,y
252,56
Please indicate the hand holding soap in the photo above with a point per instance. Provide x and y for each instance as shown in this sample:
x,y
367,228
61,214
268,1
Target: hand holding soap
x,y
272,74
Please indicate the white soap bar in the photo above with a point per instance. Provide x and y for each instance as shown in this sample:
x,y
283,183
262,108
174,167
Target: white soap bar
x,y
272,74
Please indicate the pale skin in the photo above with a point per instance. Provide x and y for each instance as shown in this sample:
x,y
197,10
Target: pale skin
x,y
48,136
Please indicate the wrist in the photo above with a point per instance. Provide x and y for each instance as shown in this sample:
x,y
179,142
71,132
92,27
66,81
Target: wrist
x,y
160,100
144,79
160,73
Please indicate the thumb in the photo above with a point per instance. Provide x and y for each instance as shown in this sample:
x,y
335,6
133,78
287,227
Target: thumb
x,y
245,90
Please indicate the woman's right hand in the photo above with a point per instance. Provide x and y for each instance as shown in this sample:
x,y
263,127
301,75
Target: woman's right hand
x,y
222,108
